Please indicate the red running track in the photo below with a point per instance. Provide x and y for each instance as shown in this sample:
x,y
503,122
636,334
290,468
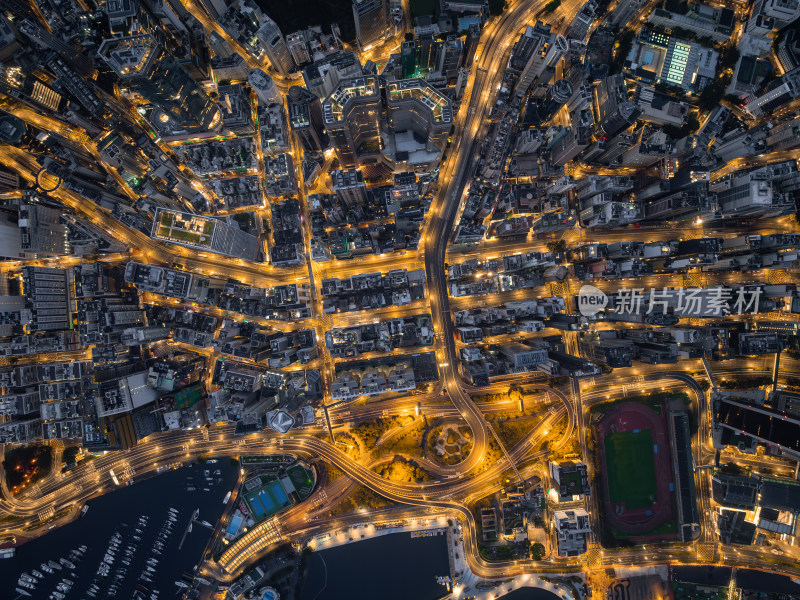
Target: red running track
x,y
631,416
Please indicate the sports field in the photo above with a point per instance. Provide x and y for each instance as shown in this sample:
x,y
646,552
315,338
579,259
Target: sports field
x,y
301,480
267,499
630,468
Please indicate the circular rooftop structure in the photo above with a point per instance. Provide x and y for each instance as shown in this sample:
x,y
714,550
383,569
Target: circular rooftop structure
x,y
562,91
268,593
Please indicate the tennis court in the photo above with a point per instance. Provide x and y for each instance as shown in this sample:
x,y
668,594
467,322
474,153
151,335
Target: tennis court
x,y
267,500
630,468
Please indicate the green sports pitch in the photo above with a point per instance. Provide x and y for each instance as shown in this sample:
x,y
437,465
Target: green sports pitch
x,y
631,469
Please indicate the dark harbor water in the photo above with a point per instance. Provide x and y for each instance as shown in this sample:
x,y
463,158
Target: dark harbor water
x,y
112,522
390,567
745,579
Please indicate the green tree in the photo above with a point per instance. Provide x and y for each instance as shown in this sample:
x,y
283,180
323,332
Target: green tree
x,y
732,469
712,94
551,6
728,58
621,50
537,551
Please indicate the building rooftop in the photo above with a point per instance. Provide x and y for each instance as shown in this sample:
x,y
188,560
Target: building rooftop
x,y
358,87
418,89
129,56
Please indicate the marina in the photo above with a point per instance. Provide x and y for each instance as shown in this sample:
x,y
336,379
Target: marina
x,y
135,543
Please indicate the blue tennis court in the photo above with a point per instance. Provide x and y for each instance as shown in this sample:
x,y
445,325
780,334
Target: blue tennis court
x,y
256,506
277,490
267,500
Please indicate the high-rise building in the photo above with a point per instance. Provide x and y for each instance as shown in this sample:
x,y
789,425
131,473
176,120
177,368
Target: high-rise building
x,y
749,193
557,96
194,55
17,83
371,19
219,45
9,181
427,46
322,76
128,17
648,150
216,8
471,43
298,47
48,302
461,82
570,143
582,21
612,110
143,64
9,42
41,230
548,49
275,47
475,7
205,233
12,129
572,528
683,205
349,187
227,68
265,87
305,119
778,12
450,58
414,105
352,117
408,58
523,48
47,40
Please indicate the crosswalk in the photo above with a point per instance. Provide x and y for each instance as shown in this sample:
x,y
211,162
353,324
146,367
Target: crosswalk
x,y
706,552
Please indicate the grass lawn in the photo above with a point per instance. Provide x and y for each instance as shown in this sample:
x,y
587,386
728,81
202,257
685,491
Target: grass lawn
x,y
630,468
301,479
185,236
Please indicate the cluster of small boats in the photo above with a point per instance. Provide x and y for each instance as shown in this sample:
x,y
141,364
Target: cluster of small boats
x,y
150,569
107,564
112,578
125,552
29,582
216,478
